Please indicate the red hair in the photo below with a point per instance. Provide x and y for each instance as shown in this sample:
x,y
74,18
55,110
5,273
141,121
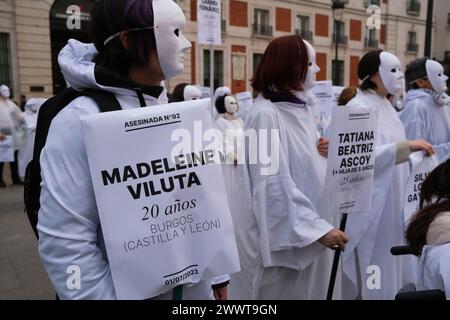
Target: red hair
x,y
283,67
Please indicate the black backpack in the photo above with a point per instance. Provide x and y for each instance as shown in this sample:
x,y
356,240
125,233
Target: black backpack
x,y
32,190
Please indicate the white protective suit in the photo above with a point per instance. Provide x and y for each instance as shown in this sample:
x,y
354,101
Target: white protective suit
x,y
12,122
280,220
69,226
31,116
424,119
373,232
233,141
434,269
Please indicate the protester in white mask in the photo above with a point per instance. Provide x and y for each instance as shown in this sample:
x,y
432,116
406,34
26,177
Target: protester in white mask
x,y
426,110
374,231
231,137
30,115
138,44
12,124
428,233
185,92
283,235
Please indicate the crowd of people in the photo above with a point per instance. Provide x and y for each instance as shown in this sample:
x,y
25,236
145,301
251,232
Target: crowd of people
x,y
285,237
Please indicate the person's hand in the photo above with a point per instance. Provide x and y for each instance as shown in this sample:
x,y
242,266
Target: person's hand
x,y
322,146
221,293
335,238
2,137
421,145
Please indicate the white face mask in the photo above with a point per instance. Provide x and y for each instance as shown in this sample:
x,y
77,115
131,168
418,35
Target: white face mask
x,y
5,92
390,72
192,93
435,73
231,105
171,44
313,68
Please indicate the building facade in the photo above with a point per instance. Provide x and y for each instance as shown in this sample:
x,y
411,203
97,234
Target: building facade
x,y
33,31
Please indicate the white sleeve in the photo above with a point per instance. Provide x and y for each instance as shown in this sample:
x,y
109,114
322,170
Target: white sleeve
x,y
287,219
69,226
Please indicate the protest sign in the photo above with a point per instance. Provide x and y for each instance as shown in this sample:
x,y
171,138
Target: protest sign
x,y
421,167
324,104
161,198
351,159
209,22
7,150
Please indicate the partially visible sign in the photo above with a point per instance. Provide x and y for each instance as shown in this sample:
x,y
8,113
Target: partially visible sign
x,y
421,168
209,22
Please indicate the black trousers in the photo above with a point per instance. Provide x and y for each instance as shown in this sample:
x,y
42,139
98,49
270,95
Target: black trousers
x,y
14,169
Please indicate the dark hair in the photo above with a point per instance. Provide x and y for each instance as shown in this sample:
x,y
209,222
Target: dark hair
x,y
178,92
414,71
435,193
112,16
220,104
367,67
284,66
347,95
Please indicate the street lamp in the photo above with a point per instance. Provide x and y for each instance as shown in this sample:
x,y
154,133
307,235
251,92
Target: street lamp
x,y
338,7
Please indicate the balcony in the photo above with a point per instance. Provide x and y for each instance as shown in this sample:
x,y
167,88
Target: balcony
x,y
413,7
341,39
412,47
305,34
368,3
371,43
262,30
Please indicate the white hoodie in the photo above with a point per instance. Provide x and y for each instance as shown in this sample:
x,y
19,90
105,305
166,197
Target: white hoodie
x,y
70,236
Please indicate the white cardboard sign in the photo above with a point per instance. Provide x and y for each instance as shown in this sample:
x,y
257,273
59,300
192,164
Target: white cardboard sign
x,y
164,214
421,167
351,159
209,22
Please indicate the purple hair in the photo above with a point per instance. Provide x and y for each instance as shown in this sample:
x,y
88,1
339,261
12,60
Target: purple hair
x,y
112,16
139,13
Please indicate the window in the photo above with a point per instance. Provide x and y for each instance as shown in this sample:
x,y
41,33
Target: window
x,y
302,27
370,40
413,7
412,45
368,3
218,68
5,65
261,23
257,57
340,32
338,79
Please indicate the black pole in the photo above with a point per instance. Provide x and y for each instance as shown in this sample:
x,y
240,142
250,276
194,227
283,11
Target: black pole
x,y
337,255
429,29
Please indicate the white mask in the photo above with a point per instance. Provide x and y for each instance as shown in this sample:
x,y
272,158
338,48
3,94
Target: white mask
x,y
313,68
435,73
5,92
171,44
231,105
390,72
192,93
